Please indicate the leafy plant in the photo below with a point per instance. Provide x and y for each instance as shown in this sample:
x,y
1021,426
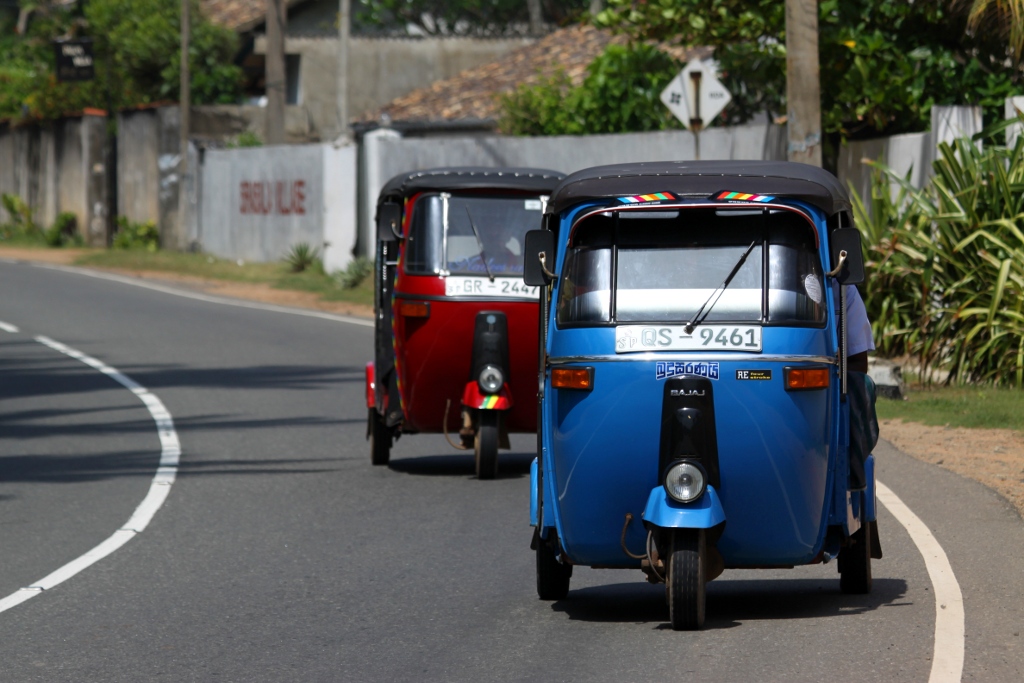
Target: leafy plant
x,y
946,263
246,138
883,64
63,230
137,58
19,214
132,235
629,76
302,257
357,270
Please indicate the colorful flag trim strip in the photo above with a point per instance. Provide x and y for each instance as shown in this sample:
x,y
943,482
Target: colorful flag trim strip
x,y
642,198
743,197
490,402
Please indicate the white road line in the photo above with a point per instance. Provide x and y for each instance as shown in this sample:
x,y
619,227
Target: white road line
x,y
7,327
209,299
167,470
948,658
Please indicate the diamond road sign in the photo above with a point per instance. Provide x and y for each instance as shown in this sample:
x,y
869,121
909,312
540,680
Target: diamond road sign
x,y
696,96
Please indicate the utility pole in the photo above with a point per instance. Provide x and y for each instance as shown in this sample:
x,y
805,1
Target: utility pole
x,y
803,86
275,76
185,104
536,17
344,30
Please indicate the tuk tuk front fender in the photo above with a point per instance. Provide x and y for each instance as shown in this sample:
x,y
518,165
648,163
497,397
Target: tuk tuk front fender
x,y
663,512
472,397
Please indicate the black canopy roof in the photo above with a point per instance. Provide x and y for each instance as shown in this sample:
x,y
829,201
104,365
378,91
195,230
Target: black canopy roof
x,y
470,178
703,178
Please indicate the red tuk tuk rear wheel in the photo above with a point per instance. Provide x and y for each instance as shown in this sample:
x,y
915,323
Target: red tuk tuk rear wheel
x,y
486,444
380,439
855,563
686,579
552,576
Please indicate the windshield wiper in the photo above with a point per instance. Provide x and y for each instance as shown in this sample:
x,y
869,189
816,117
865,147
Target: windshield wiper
x,y
697,319
479,243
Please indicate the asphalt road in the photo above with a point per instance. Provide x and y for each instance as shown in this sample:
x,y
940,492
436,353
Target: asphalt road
x,y
282,555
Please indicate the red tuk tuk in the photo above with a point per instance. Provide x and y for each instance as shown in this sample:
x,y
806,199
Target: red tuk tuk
x,y
455,347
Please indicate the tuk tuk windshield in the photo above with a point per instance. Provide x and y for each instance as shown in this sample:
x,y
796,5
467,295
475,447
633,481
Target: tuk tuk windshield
x,y
669,263
454,234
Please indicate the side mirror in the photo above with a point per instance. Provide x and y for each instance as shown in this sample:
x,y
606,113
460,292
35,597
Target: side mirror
x,y
851,270
389,222
538,242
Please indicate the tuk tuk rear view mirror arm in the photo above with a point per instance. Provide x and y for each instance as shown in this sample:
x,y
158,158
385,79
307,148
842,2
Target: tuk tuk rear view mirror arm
x,y
839,266
543,258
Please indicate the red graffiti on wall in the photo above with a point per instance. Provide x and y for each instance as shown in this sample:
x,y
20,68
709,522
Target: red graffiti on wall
x,y
264,197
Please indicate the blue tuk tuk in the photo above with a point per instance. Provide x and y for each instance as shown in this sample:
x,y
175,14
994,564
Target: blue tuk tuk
x,y
694,399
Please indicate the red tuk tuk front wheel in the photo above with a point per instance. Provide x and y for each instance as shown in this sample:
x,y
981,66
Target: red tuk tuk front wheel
x,y
855,562
686,579
380,439
486,443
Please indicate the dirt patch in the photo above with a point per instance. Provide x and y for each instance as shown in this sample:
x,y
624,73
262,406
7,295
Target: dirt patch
x,y
249,291
994,457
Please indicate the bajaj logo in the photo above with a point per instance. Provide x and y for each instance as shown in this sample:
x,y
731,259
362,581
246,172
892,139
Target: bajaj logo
x,y
686,392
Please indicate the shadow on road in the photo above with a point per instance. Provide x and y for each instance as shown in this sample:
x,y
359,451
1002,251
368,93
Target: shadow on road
x,y
510,465
731,602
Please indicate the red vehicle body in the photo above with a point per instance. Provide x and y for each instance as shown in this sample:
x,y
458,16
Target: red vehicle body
x,y
456,338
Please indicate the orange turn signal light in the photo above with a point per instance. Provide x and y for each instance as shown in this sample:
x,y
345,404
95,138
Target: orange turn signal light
x,y
414,309
573,378
807,378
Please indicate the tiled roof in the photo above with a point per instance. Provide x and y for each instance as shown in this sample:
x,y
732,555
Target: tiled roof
x,y
472,95
237,15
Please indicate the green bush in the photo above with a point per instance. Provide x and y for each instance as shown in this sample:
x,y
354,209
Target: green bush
x,y
20,220
630,76
357,270
302,257
131,235
63,230
946,264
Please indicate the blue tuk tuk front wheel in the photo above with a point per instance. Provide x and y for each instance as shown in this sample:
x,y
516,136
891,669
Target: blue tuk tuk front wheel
x,y
686,579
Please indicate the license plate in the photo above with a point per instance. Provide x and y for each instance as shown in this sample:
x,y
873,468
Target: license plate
x,y
501,288
637,338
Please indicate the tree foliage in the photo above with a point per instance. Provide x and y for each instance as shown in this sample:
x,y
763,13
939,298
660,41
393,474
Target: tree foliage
x,y
630,78
883,64
137,58
459,17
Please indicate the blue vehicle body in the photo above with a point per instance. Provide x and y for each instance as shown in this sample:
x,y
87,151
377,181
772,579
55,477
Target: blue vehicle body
x,y
782,495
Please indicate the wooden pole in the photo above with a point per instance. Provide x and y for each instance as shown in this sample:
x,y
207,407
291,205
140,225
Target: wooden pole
x,y
275,76
184,123
803,87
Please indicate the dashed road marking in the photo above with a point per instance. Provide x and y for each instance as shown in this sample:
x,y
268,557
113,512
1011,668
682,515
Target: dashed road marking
x,y
170,454
948,657
7,327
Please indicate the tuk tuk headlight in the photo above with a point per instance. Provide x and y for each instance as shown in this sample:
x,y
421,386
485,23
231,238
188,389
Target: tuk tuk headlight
x,y
491,380
684,481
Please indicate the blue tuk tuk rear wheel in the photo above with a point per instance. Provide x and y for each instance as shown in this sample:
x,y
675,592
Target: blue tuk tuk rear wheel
x,y
855,563
552,576
686,579
486,444
380,439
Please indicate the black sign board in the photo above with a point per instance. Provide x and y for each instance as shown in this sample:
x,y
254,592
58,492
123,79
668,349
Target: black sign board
x,y
74,59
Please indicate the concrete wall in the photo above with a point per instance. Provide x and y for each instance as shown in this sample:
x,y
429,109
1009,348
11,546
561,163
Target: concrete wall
x,y
386,154
380,70
910,155
257,203
58,166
